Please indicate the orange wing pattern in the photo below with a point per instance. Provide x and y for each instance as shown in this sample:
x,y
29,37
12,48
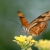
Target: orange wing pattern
x,y
41,21
44,17
22,19
38,28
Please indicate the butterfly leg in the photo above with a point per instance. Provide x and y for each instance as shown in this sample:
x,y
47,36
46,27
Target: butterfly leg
x,y
20,30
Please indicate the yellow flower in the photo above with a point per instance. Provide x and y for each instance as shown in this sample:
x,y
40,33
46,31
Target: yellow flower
x,y
20,39
24,41
32,41
43,44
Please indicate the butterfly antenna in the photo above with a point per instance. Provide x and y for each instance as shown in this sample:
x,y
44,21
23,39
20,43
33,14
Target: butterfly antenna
x,y
14,21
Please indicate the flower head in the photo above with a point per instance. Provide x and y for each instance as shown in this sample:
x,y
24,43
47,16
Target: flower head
x,y
24,41
43,44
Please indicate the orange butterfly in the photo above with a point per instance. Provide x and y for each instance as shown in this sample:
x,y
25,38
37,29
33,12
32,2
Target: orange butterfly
x,y
37,26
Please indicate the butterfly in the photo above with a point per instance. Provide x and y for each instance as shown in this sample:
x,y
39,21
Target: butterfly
x,y
37,26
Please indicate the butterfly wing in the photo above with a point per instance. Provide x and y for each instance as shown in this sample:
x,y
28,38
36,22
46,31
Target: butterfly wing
x,y
38,28
39,24
44,17
22,19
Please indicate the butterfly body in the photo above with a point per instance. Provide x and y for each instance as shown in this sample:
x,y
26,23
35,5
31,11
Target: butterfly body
x,y
25,29
37,26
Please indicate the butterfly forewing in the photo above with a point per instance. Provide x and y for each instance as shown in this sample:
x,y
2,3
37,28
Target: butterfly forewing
x,y
44,17
22,19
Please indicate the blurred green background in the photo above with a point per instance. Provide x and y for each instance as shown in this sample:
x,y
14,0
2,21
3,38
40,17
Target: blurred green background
x,y
8,29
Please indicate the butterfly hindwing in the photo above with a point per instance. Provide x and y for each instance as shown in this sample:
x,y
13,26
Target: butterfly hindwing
x,y
38,28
